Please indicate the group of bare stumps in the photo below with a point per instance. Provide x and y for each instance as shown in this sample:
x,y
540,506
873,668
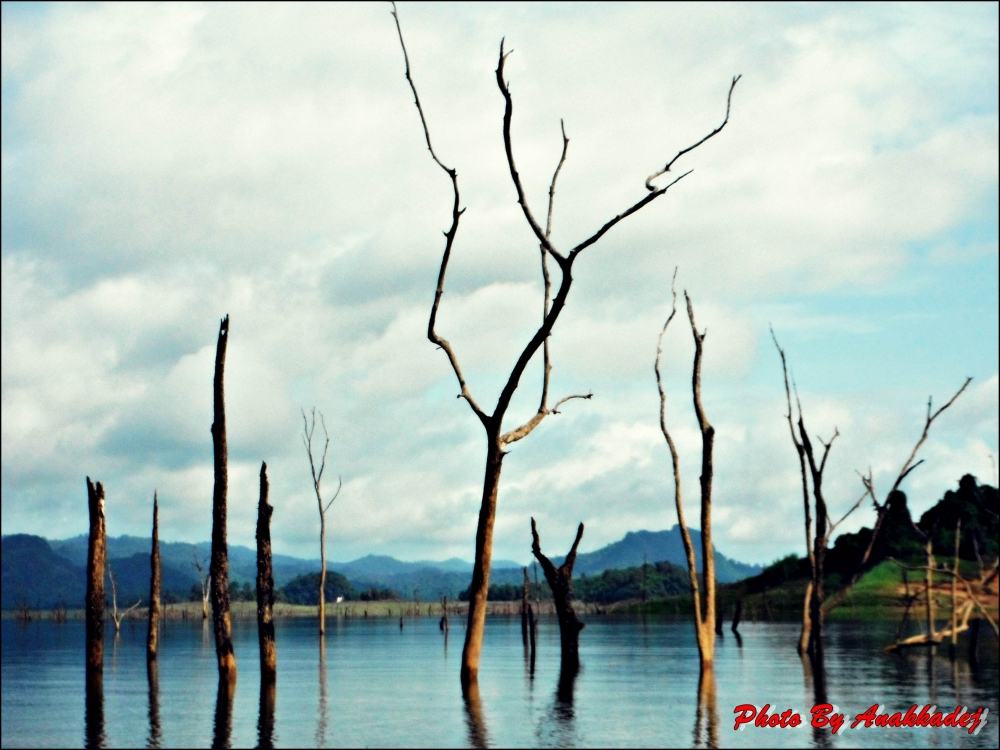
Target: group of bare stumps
x,y
703,585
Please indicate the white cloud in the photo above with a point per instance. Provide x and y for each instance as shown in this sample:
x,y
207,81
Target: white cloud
x,y
164,165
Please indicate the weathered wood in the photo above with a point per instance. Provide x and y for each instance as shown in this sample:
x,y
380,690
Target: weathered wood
x,y
219,568
96,557
561,583
704,606
152,635
497,438
265,584
308,429
737,615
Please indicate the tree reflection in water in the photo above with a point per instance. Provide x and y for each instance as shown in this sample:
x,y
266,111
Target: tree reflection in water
x,y
153,680
474,719
265,720
706,718
321,708
93,717
223,728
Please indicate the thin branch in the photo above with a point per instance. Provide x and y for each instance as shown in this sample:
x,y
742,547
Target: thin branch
x,y
536,550
649,198
340,483
546,280
909,466
528,427
456,213
675,463
669,164
571,557
799,450
850,510
542,235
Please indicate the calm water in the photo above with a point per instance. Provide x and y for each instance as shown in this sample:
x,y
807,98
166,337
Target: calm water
x,y
378,685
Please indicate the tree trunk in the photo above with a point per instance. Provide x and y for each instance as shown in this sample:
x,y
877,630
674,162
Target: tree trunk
x,y
954,590
94,603
219,569
480,585
206,590
152,637
265,585
737,616
929,592
806,633
322,572
561,582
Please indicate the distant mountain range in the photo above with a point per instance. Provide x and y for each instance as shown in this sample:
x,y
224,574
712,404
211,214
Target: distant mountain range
x,y
43,573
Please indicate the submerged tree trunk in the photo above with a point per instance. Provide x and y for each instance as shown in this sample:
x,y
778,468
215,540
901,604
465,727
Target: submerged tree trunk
x,y
552,307
265,585
219,569
308,429
152,637
704,607
94,602
480,585
561,582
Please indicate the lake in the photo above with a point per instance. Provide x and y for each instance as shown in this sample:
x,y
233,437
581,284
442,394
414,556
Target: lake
x,y
379,685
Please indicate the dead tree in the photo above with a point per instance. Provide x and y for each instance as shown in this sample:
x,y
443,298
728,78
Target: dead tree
x,y
152,637
118,617
704,607
497,439
265,584
561,583
94,602
308,428
206,584
219,570
909,465
811,635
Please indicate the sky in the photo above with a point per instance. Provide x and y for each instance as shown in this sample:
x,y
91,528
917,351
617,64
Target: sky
x,y
164,165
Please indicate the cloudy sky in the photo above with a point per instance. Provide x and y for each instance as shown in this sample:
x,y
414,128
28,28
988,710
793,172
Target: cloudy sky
x,y
164,165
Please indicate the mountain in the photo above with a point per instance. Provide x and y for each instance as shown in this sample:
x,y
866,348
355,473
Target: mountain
x,y
34,575
637,547
44,573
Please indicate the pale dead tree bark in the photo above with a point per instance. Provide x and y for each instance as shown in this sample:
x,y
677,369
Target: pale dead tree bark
x,y
497,439
704,606
308,429
265,585
155,577
116,616
909,465
94,602
561,583
817,542
205,579
800,451
219,571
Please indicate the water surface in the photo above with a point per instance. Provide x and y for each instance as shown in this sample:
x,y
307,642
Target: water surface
x,y
370,683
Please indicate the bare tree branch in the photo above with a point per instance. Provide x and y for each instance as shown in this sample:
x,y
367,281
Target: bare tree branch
x,y
675,463
669,164
542,235
456,213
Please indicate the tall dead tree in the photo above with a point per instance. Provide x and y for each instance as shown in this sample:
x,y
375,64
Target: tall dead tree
x,y
152,636
561,582
497,439
219,570
94,602
811,471
704,606
308,429
265,584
